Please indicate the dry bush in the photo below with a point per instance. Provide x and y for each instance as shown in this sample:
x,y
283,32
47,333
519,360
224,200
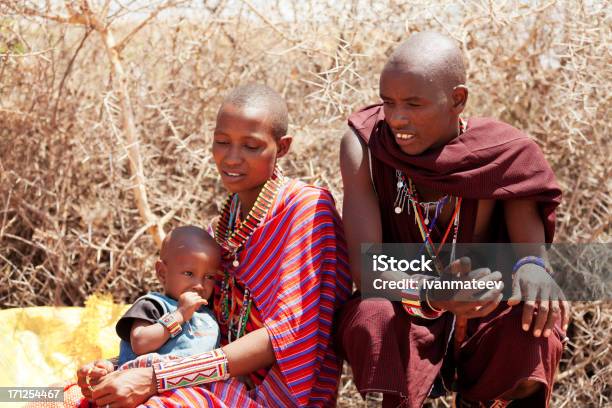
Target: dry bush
x,y
69,225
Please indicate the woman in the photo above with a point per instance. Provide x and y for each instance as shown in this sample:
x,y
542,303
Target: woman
x,y
285,275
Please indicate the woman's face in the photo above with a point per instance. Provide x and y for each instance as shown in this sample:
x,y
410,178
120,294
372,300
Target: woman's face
x,y
245,149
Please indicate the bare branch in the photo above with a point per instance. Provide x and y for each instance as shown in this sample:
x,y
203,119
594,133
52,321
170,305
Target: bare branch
x,y
29,54
121,44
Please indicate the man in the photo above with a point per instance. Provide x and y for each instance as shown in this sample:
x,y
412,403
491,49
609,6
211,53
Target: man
x,y
486,182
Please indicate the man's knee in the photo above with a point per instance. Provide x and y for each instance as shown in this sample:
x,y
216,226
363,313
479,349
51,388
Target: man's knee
x,y
524,389
364,319
368,313
527,377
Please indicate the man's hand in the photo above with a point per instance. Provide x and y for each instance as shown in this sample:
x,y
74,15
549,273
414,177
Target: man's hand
x,y
126,388
544,299
189,302
91,374
467,303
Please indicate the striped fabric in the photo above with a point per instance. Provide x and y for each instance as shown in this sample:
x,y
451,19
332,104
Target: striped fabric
x,y
255,322
295,265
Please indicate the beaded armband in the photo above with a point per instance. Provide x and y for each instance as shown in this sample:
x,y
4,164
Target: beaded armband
x,y
115,362
193,370
416,303
171,324
536,260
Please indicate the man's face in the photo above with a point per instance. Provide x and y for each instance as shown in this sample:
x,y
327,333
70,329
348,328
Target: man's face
x,y
189,269
417,109
244,149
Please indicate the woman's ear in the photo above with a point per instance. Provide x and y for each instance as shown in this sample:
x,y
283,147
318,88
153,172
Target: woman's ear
x,y
284,143
160,271
459,96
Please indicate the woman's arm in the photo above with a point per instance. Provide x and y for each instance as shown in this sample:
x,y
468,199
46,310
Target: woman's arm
x,y
249,353
131,387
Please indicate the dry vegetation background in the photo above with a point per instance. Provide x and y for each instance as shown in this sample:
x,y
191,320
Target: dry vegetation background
x,y
104,143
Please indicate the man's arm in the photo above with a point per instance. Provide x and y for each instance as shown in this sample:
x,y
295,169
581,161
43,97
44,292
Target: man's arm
x,y
360,211
524,225
532,283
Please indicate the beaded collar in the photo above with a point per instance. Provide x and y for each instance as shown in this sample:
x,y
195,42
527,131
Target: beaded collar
x,y
232,237
231,234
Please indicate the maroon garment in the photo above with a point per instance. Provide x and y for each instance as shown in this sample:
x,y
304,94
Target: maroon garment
x,y
394,353
490,160
401,356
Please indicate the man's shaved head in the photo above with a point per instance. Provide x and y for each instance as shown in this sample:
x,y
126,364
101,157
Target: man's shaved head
x,y
190,238
423,91
265,99
433,55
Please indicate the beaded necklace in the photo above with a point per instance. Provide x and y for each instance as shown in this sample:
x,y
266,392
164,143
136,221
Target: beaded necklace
x,y
234,331
231,234
406,192
426,230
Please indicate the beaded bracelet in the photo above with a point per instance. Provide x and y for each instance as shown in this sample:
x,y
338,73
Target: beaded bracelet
x,y
415,303
171,324
536,260
115,362
192,370
429,304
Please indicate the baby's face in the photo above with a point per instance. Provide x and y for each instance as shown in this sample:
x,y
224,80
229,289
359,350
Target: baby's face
x,y
189,270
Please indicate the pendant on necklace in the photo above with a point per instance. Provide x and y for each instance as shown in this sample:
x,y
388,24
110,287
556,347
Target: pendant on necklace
x,y
398,210
427,220
235,263
400,184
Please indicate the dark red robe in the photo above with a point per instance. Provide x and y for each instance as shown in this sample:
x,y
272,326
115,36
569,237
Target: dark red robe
x,y
401,355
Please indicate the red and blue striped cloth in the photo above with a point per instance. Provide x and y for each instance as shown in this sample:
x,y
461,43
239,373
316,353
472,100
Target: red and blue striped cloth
x,y
295,265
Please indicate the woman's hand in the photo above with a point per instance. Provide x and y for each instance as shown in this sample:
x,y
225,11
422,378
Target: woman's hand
x,y
126,388
91,374
468,303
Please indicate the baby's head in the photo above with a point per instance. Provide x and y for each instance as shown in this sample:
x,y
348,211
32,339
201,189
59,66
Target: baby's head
x,y
189,261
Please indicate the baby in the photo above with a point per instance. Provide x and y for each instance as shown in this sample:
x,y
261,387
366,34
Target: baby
x,y
175,323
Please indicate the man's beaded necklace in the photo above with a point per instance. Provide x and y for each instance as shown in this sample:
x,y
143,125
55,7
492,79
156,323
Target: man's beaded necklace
x,y
406,193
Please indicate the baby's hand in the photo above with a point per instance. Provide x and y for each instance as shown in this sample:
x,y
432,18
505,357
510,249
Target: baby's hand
x,y
189,302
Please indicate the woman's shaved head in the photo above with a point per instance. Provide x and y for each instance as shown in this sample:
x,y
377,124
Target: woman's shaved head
x,y
264,99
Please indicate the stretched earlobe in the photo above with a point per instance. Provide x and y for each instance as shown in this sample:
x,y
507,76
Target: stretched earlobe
x,y
460,96
284,143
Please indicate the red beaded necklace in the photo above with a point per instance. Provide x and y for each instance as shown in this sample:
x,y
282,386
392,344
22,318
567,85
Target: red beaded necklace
x,y
407,193
231,234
